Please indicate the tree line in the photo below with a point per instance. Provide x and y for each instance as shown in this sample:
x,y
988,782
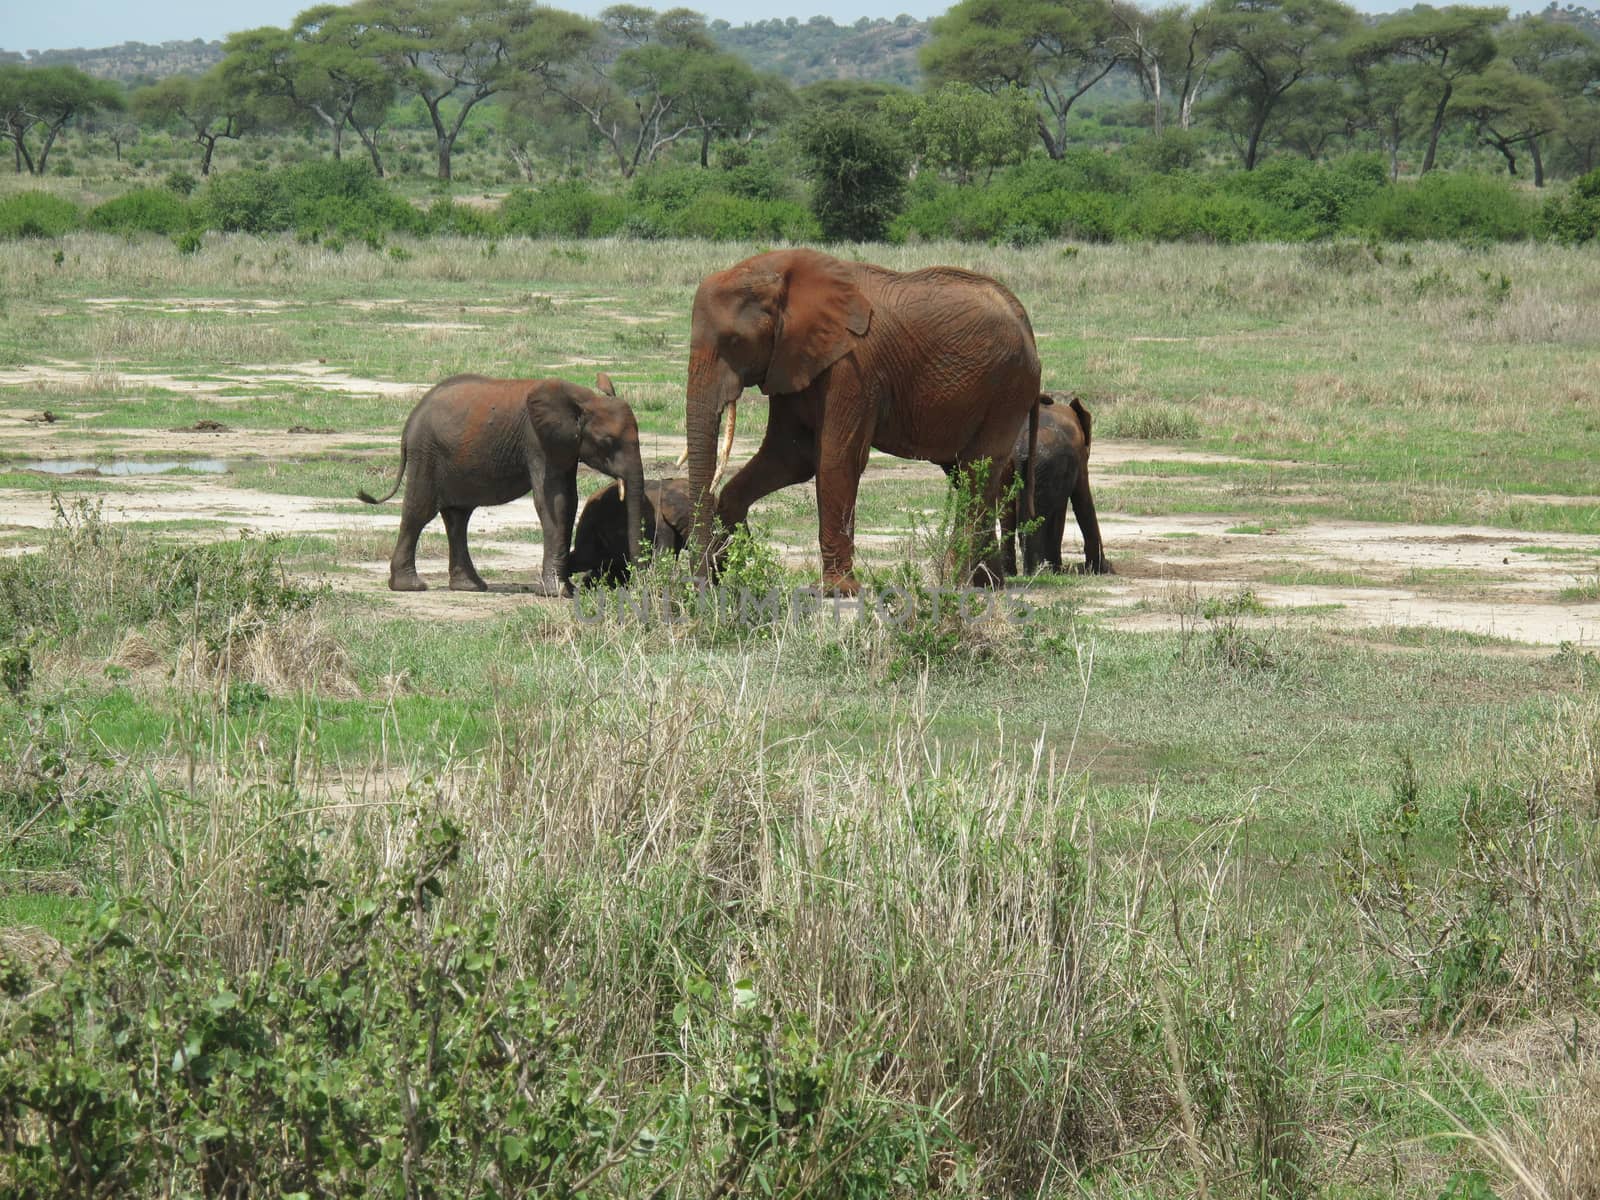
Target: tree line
x,y
1302,75
1245,78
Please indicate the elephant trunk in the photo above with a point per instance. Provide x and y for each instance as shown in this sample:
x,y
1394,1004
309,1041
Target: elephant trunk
x,y
633,499
713,385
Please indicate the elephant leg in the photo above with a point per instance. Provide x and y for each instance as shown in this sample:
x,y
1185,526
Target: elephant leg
x,y
1050,536
415,513
975,541
1013,516
843,445
556,497
1094,554
464,576
787,456
994,442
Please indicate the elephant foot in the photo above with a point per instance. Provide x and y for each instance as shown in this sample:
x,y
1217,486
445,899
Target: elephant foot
x,y
840,585
1099,566
406,583
553,587
467,583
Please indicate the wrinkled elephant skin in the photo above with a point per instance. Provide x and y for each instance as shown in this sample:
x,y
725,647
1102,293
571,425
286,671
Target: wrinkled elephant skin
x,y
474,441
937,364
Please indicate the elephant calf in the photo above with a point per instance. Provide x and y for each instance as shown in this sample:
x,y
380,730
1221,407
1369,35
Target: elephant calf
x,y
1060,475
473,441
600,545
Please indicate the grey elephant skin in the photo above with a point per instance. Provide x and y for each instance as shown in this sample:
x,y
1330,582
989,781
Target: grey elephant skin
x,y
1060,478
600,545
474,441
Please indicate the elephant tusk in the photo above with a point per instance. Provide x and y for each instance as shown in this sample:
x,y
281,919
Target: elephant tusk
x,y
683,456
622,489
727,445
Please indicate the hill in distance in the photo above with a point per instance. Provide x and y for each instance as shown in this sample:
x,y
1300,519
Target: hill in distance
x,y
802,52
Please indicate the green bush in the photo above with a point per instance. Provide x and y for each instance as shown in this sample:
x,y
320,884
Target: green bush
x,y
1574,217
37,215
144,210
1312,199
733,218
1159,215
314,198
564,209
857,163
1446,207
446,216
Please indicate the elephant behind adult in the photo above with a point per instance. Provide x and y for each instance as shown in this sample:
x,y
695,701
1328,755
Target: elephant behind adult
x,y
1060,478
600,542
475,441
937,364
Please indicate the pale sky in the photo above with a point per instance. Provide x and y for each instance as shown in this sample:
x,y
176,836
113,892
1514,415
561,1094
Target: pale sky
x,y
68,24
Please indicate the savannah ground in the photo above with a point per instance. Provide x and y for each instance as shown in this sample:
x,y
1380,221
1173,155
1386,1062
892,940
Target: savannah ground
x,y
1264,866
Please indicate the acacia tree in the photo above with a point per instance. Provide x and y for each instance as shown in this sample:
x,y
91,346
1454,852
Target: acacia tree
x,y
15,120
1055,49
49,99
1171,51
208,106
1448,44
645,81
451,54
268,69
350,84
1509,110
1385,102
1561,56
965,130
1272,46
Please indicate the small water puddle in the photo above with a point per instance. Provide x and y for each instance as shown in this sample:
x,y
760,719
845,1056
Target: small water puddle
x,y
69,466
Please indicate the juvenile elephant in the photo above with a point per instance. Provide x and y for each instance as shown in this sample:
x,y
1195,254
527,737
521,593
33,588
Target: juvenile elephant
x,y
600,544
937,364
1060,475
473,441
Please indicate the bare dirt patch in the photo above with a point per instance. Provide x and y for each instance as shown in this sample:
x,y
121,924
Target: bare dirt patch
x,y
1474,579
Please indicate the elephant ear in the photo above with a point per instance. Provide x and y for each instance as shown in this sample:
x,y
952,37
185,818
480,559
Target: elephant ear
x,y
558,418
820,316
1085,422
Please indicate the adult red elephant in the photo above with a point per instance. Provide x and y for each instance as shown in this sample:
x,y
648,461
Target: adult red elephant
x,y
937,364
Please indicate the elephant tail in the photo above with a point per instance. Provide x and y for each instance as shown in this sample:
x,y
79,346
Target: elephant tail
x,y
398,480
1033,459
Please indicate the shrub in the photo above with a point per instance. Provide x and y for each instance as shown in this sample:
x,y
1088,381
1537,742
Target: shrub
x,y
564,209
446,216
144,210
180,182
1159,215
37,214
313,197
1574,217
1169,150
1315,200
92,574
857,163
734,218
1444,207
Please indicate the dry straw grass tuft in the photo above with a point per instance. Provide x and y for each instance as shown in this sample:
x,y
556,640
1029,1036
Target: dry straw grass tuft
x,y
284,653
137,652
